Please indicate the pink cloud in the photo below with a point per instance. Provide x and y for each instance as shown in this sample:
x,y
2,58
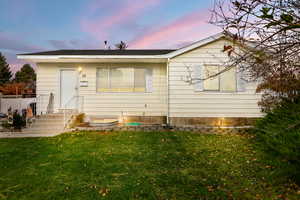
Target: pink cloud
x,y
190,27
11,42
100,27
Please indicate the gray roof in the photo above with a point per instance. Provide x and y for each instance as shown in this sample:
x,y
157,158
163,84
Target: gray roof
x,y
133,52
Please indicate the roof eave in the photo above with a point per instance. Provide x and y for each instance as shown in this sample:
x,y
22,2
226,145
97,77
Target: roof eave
x,y
196,45
164,56
93,58
28,57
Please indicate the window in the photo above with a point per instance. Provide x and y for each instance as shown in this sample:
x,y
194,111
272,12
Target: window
x,y
214,82
123,79
228,80
225,82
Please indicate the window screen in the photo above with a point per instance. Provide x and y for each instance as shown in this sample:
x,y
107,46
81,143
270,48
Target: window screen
x,y
225,82
211,83
122,79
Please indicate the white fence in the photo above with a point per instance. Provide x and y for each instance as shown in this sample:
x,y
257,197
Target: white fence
x,y
15,104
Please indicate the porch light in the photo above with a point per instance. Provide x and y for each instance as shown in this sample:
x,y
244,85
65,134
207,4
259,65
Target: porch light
x,y
80,69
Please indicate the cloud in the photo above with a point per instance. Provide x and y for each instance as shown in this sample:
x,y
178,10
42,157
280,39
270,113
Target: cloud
x,y
75,44
59,44
100,27
12,43
189,27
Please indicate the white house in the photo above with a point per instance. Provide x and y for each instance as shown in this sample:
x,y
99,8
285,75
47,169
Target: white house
x,y
147,85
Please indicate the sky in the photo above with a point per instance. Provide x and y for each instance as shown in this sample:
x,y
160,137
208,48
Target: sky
x,y
41,25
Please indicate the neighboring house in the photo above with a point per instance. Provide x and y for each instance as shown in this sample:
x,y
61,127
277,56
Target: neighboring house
x,y
148,84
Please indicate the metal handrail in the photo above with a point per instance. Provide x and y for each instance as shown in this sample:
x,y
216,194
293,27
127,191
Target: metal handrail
x,y
69,101
79,108
39,103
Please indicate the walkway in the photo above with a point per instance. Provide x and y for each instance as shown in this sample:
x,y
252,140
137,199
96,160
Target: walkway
x,y
26,135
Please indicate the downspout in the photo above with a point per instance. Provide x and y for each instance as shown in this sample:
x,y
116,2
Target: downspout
x,y
79,69
168,107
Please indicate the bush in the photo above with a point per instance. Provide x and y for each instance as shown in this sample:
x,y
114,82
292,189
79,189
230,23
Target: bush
x,y
77,120
279,130
6,125
18,121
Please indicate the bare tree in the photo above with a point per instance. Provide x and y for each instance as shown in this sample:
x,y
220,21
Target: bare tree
x,y
269,31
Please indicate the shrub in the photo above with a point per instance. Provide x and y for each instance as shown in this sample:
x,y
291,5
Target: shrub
x,y
279,130
78,119
18,121
6,125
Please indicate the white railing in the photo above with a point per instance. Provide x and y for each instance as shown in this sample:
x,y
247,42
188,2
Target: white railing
x,y
72,107
44,104
15,104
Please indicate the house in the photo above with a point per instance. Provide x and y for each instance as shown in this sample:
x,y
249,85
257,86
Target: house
x,y
148,85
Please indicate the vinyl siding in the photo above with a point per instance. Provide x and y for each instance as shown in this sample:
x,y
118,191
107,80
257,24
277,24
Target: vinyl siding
x,y
47,82
141,104
185,102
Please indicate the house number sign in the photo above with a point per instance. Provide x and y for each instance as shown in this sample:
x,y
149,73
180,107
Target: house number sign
x,y
84,84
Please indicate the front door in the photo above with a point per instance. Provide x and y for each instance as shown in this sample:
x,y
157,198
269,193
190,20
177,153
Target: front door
x,y
68,88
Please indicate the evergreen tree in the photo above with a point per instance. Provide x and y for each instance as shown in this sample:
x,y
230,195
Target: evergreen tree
x,y
5,73
25,75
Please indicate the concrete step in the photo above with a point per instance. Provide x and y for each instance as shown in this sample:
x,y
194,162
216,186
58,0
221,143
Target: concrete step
x,y
29,130
45,124
68,111
42,132
50,121
51,116
42,127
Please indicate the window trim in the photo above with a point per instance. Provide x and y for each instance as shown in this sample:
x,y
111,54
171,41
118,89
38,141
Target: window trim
x,y
109,77
219,78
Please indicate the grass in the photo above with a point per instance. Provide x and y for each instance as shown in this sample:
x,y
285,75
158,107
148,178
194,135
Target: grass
x,y
136,165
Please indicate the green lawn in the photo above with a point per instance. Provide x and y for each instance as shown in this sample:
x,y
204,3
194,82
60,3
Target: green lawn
x,y
135,165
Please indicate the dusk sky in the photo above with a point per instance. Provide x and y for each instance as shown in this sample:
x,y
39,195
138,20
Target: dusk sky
x,y
40,25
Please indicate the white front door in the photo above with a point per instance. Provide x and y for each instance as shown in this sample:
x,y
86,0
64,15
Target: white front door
x,y
68,88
